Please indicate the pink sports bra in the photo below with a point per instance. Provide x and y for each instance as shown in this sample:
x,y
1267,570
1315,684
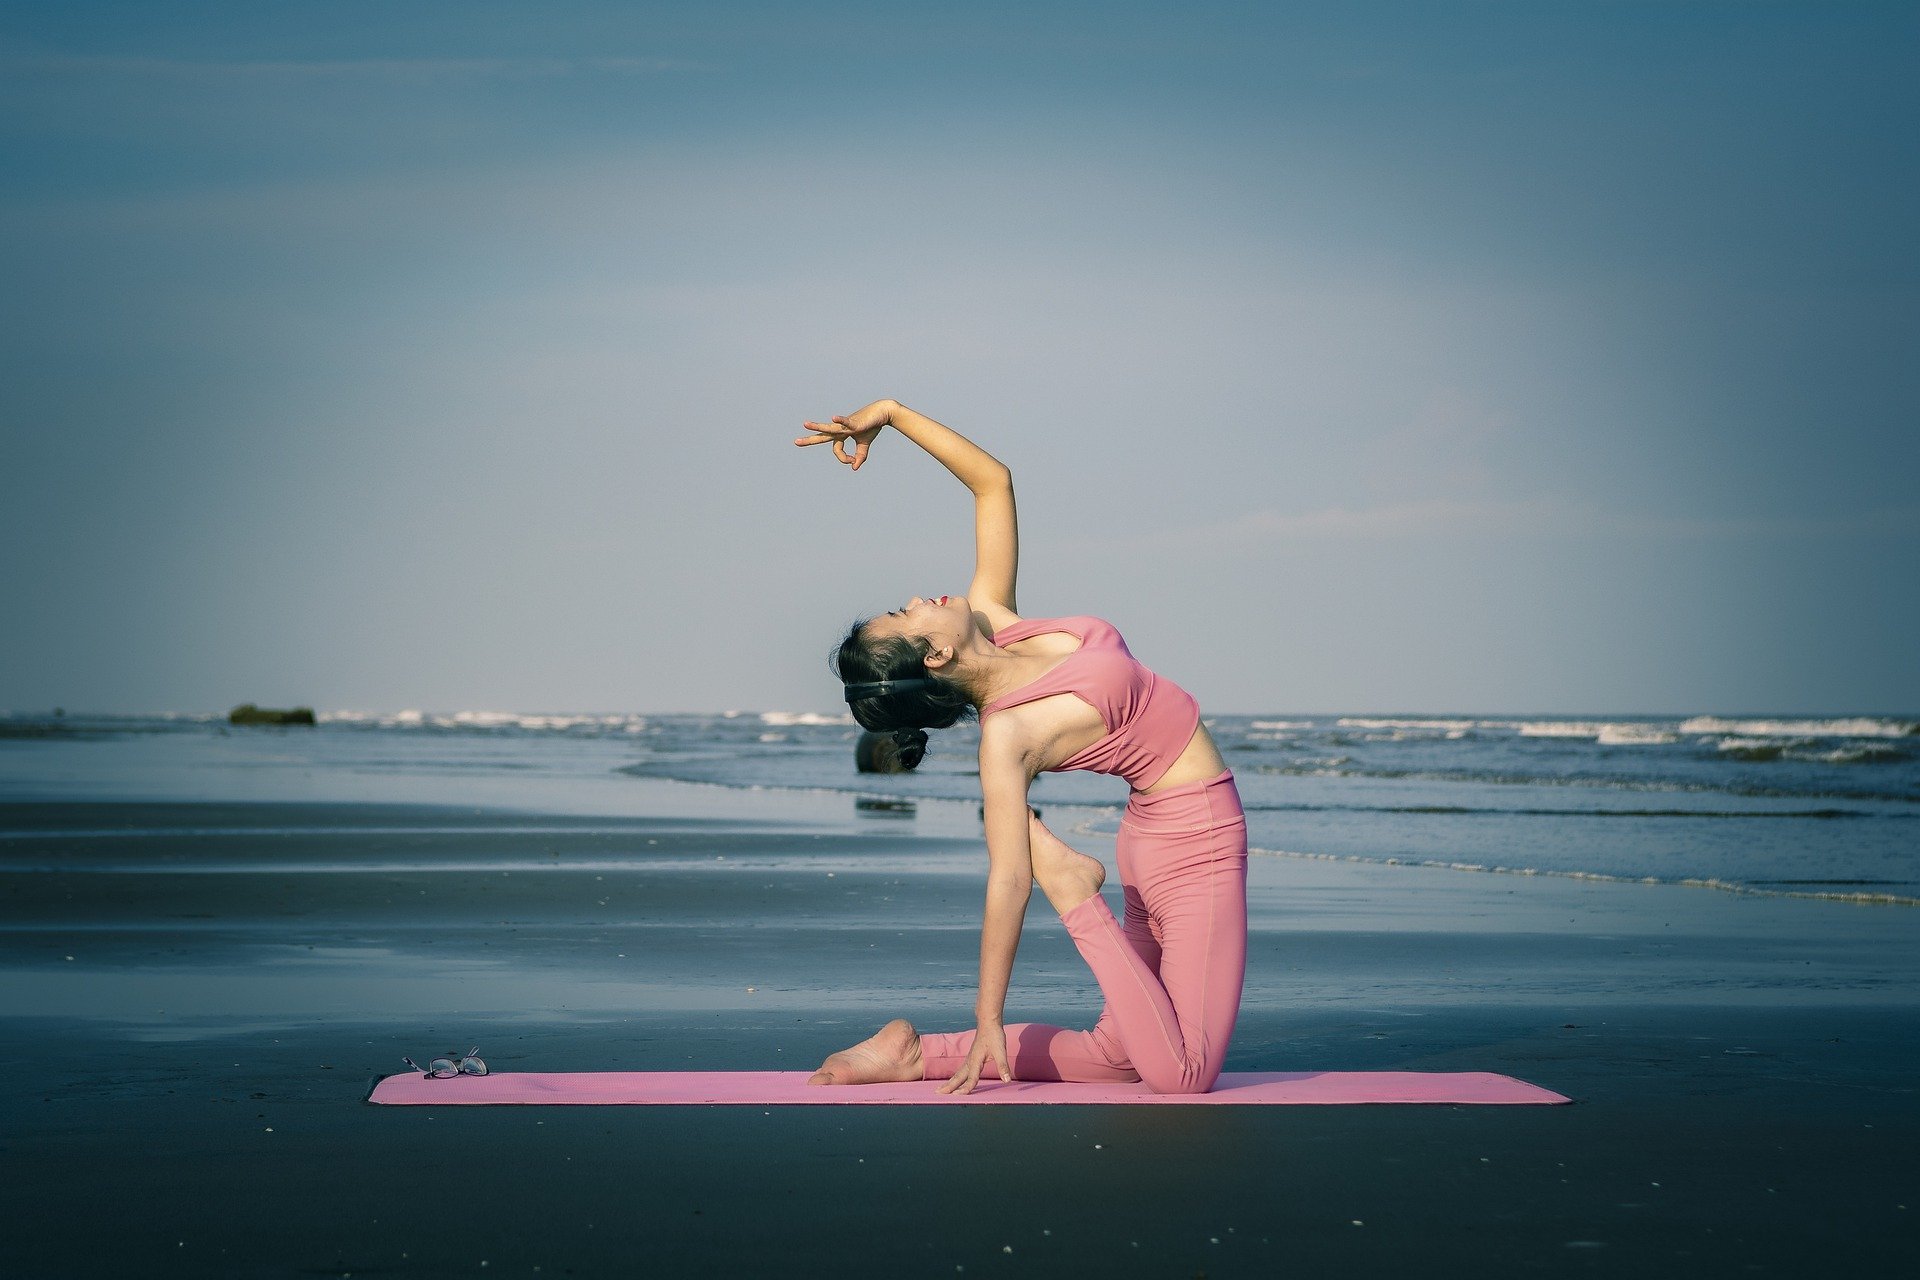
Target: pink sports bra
x,y
1149,719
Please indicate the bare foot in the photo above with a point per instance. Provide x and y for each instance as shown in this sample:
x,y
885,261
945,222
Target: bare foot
x,y
1067,876
891,1053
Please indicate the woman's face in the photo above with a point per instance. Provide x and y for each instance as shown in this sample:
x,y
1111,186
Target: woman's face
x,y
942,621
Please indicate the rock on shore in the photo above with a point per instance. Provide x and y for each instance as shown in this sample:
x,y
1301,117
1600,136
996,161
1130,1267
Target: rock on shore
x,y
247,713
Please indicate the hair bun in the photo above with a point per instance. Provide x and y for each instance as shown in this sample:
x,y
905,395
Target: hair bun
x,y
911,744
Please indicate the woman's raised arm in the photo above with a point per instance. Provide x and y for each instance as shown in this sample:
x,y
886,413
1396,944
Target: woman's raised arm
x,y
996,534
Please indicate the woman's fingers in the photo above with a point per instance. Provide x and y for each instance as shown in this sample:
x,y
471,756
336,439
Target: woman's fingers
x,y
822,432
998,1049
963,1080
837,434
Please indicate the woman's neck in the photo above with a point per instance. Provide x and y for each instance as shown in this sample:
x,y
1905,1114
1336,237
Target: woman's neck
x,y
997,672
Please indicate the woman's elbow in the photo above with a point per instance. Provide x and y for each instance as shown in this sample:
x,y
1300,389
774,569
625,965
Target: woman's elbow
x,y
993,478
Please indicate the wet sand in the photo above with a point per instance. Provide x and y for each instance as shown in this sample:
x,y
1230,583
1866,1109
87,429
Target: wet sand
x,y
195,999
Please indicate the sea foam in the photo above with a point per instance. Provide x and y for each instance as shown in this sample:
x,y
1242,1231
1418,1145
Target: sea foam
x,y
1842,727
1561,729
484,721
1606,733
1634,735
1807,749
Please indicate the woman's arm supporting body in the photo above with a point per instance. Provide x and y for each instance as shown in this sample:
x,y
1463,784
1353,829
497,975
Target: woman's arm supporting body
x,y
1005,774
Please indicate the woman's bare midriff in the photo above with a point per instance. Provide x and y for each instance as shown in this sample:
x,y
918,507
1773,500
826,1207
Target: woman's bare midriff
x,y
1198,761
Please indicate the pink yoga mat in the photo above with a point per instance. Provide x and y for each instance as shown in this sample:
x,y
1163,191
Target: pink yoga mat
x,y
787,1088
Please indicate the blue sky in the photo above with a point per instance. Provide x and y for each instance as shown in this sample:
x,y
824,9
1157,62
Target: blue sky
x,y
1367,357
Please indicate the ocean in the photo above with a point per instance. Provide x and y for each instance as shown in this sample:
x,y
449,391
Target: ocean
x,y
1823,808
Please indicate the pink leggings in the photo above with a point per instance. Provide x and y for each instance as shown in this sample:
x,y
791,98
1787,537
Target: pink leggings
x,y
1171,976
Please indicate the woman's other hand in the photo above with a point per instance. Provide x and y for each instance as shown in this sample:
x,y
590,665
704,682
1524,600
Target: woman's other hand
x,y
989,1044
860,427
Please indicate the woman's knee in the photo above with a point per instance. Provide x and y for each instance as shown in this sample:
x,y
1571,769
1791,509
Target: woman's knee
x,y
1185,1080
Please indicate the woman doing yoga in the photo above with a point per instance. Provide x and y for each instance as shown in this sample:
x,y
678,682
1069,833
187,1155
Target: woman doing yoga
x,y
1057,694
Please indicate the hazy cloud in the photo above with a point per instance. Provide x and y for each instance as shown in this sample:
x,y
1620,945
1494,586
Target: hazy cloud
x,y
386,357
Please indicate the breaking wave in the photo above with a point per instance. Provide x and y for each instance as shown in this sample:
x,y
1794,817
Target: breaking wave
x,y
1843,727
483,721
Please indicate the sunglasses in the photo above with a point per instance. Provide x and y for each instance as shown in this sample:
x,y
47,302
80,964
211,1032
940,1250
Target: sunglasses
x,y
448,1067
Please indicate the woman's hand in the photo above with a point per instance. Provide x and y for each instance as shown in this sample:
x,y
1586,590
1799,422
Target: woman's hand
x,y
860,426
989,1044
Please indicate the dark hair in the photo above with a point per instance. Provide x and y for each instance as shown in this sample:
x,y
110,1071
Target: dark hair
x,y
905,713
896,752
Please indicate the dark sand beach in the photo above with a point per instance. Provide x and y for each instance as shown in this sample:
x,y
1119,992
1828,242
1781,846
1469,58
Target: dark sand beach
x,y
197,997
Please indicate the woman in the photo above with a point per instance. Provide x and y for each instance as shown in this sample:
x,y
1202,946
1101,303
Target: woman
x,y
1057,693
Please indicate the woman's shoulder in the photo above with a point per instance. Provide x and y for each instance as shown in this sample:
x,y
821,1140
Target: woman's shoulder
x,y
1009,626
1091,632
1028,628
994,619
